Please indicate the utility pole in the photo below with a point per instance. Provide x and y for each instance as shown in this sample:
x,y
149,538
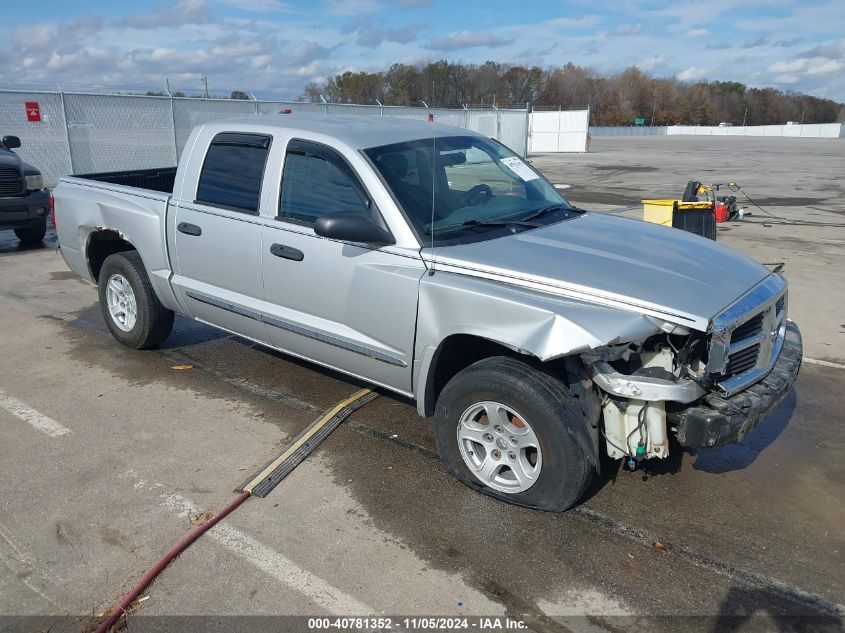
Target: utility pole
x,y
167,81
802,118
205,83
745,116
653,108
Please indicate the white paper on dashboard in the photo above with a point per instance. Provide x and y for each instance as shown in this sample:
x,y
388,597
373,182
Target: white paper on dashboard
x,y
515,164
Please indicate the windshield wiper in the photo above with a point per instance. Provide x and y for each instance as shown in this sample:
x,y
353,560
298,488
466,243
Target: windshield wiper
x,y
475,222
549,209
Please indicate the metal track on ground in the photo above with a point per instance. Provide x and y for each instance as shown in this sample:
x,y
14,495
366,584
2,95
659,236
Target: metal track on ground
x,y
272,473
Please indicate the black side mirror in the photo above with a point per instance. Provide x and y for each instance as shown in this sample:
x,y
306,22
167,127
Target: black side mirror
x,y
351,227
11,142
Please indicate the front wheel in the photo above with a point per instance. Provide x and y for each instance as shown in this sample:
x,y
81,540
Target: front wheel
x,y
501,429
132,311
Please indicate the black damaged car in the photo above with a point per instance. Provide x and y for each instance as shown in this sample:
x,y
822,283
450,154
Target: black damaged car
x,y
24,201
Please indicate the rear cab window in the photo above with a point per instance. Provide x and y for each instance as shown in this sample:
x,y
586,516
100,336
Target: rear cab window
x,y
233,171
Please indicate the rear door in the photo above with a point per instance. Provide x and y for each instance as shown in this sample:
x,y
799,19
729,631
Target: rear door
x,y
217,235
346,305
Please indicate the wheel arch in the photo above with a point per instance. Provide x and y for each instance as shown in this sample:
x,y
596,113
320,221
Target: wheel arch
x,y
458,351
101,244
454,353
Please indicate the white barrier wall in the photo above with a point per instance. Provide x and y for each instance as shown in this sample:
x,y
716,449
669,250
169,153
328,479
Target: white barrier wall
x,y
558,131
809,130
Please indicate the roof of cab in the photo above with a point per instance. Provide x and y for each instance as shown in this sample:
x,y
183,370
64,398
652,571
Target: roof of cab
x,y
356,131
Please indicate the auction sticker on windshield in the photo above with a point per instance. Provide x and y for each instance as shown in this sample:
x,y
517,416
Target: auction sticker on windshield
x,y
515,164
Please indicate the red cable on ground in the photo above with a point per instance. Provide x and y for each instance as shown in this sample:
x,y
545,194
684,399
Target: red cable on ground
x,y
156,569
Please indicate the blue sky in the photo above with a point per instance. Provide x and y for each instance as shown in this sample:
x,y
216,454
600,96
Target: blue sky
x,y
274,47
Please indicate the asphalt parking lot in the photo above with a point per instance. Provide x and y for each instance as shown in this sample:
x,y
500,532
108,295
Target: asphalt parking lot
x,y
128,451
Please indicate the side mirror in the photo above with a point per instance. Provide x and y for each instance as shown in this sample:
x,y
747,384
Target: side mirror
x,y
11,142
351,227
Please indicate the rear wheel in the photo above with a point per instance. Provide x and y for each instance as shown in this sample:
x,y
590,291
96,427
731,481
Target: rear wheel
x,y
501,429
132,311
33,234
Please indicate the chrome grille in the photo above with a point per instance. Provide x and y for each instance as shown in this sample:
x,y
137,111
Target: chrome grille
x,y
746,337
750,328
10,181
742,361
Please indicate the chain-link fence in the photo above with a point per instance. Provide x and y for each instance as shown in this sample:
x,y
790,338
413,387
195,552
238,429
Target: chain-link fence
x,y
82,133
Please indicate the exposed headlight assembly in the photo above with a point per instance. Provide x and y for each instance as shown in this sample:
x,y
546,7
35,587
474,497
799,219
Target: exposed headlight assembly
x,y
669,328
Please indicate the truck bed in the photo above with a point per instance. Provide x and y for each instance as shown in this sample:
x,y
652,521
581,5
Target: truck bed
x,y
158,179
129,206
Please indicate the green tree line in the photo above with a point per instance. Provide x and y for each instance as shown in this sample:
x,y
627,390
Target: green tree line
x,y
614,99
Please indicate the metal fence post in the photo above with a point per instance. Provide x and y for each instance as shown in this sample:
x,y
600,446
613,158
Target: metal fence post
x,y
173,124
528,127
67,132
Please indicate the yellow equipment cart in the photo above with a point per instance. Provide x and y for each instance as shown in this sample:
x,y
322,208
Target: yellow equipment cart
x,y
693,217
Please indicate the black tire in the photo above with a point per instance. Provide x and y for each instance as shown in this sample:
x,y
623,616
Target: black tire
x,y
548,406
154,322
33,234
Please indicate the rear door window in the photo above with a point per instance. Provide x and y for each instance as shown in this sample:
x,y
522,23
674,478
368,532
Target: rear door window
x,y
233,171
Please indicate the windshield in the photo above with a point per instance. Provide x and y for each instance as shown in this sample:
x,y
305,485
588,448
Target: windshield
x,y
473,188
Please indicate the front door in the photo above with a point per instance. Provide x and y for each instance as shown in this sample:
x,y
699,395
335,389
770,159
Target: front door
x,y
346,305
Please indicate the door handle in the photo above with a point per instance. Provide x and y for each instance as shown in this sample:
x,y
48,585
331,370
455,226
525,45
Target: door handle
x,y
287,252
189,229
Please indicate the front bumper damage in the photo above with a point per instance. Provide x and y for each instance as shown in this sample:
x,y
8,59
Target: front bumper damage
x,y
720,420
709,419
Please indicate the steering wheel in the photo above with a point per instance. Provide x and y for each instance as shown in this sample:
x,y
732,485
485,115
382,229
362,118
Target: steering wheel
x,y
477,196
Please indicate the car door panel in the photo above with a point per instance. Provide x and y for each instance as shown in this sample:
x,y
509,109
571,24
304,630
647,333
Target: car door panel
x,y
219,276
217,236
343,305
348,306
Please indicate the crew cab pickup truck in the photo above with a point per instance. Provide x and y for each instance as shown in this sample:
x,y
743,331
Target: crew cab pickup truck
x,y
435,263
24,201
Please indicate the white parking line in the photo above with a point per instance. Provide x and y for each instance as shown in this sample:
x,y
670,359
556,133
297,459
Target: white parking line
x,y
823,363
274,563
37,420
265,558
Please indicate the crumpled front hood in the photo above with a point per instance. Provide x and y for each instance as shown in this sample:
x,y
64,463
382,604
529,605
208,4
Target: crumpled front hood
x,y
635,265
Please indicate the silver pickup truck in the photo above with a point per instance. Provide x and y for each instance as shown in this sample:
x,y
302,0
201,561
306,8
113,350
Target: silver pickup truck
x,y
434,262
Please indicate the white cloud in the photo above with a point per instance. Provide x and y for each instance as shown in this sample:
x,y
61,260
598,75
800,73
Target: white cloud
x,y
350,7
697,33
692,73
651,63
467,39
259,6
180,13
808,65
626,30
371,35
579,21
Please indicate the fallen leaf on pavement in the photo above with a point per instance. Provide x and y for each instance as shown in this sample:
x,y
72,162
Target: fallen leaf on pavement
x,y
181,367
199,519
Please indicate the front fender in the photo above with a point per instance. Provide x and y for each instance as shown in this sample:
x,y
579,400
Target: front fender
x,y
526,321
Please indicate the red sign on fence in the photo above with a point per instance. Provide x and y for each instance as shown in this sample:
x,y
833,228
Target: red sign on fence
x,y
33,111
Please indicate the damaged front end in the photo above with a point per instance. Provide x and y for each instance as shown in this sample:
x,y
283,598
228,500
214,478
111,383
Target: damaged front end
x,y
644,382
710,389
